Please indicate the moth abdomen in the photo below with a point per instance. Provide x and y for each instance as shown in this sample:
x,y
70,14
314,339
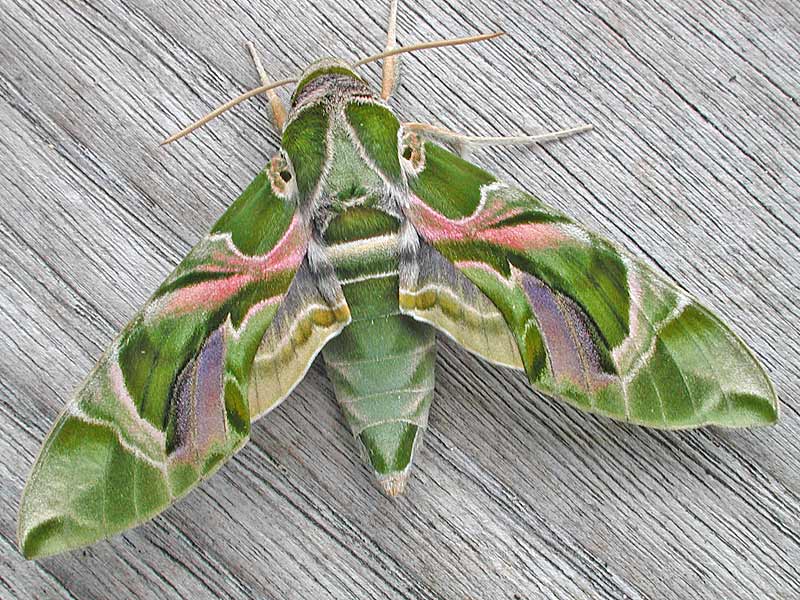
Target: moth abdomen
x,y
382,364
382,370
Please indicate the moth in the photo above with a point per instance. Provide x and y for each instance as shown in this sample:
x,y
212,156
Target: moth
x,y
361,239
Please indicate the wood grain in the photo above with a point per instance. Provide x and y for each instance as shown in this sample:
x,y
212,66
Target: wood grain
x,y
695,164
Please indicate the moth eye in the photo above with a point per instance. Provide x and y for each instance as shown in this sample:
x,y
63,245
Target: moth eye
x,y
285,175
407,153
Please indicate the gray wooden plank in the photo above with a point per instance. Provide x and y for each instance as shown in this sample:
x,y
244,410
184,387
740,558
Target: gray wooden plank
x,y
694,165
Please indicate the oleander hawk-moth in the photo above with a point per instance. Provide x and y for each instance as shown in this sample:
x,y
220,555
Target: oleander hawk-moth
x,y
361,239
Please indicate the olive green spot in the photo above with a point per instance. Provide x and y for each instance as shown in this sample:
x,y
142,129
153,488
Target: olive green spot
x,y
359,223
428,298
323,317
257,220
449,184
46,538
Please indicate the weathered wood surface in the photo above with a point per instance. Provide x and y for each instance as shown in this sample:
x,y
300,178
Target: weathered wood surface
x,y
695,164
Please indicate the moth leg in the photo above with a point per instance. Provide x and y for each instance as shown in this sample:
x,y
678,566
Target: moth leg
x,y
278,109
391,65
464,144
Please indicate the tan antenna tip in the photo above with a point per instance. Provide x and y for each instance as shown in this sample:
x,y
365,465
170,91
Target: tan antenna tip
x,y
427,45
227,106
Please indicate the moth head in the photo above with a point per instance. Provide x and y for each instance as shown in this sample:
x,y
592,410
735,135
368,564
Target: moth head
x,y
325,76
320,74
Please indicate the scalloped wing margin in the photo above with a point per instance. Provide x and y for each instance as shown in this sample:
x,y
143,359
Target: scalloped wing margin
x,y
592,325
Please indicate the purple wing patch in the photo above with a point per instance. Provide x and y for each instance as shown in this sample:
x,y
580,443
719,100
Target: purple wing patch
x,y
198,401
570,346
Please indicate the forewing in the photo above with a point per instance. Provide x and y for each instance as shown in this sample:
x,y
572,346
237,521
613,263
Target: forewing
x,y
168,402
592,324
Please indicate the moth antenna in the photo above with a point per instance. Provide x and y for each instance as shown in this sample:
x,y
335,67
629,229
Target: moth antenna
x,y
386,54
427,46
465,143
390,69
278,109
227,106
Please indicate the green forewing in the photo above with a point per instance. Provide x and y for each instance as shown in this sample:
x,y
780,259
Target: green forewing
x,y
591,324
450,187
256,221
171,398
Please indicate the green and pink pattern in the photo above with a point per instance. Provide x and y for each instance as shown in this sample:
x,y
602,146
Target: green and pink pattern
x,y
593,325
168,403
360,230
